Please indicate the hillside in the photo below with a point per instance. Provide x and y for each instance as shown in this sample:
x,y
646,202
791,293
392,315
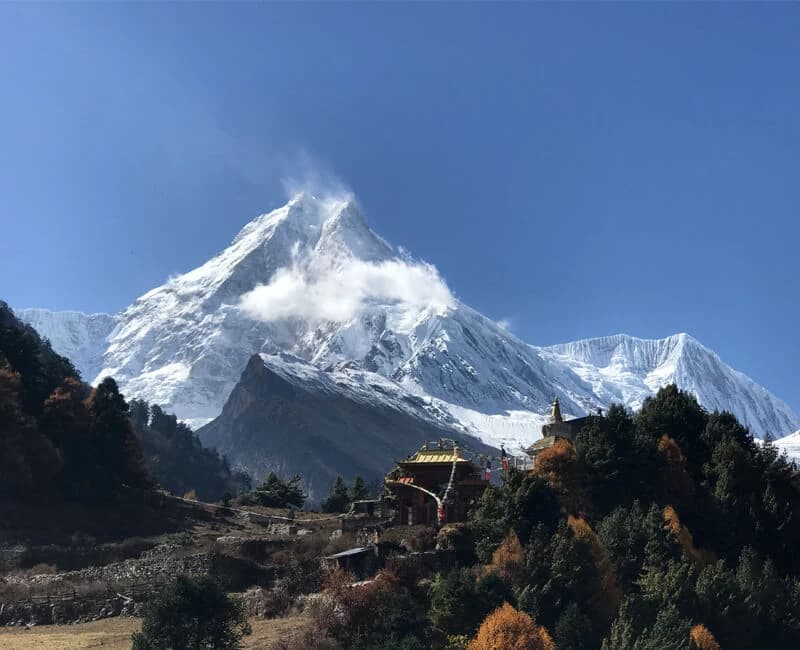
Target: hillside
x,y
288,416
61,438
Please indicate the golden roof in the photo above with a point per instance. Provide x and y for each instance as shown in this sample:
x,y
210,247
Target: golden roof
x,y
436,456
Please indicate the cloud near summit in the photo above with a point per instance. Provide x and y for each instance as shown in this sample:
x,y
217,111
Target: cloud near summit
x,y
341,294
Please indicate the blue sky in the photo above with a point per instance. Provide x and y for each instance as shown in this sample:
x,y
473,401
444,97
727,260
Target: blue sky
x,y
578,169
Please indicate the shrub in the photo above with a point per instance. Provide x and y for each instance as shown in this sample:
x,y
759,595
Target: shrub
x,y
381,614
459,539
276,493
192,613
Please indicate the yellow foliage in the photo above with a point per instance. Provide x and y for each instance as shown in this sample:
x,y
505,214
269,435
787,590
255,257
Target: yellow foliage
x,y
508,558
608,598
508,629
558,465
700,557
191,495
670,450
702,639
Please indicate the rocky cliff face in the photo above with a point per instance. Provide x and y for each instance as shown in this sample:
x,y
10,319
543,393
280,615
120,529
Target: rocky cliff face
x,y
288,416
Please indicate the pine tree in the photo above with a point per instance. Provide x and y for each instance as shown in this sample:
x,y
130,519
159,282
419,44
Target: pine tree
x,y
677,414
28,460
358,490
338,499
67,421
114,441
192,613
140,413
617,464
276,493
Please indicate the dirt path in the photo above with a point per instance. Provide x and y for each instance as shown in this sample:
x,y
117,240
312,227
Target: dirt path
x,y
115,634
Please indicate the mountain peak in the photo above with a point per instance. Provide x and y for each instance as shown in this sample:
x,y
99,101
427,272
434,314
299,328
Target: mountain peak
x,y
183,345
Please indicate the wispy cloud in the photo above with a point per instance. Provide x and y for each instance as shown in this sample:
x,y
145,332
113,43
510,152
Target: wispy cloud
x,y
304,172
505,324
343,294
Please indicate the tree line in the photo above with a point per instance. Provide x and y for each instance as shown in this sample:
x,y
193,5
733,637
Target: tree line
x,y
60,438
178,460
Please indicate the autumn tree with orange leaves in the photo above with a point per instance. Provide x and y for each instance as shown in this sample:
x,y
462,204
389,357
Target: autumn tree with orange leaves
x,y
700,557
509,629
558,465
508,559
702,639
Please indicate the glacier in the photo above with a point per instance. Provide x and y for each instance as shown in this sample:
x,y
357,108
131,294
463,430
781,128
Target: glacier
x,y
82,338
312,280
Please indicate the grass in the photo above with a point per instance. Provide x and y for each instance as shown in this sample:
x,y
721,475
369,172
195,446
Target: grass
x,y
111,633
115,634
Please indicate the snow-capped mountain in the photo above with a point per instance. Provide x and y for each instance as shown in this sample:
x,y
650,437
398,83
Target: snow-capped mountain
x,y
312,280
626,369
82,338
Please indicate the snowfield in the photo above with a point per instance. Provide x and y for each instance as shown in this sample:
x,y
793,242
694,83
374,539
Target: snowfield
x,y
310,280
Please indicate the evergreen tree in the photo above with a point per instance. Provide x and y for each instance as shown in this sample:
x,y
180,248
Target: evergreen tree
x,y
338,499
114,440
358,490
460,599
67,421
677,414
276,493
192,614
139,413
521,503
573,629
617,465
28,459
178,461
638,628
40,369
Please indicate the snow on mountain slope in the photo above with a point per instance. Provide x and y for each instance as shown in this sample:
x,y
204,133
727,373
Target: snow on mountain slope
x,y
185,343
791,445
83,338
312,280
343,421
625,369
